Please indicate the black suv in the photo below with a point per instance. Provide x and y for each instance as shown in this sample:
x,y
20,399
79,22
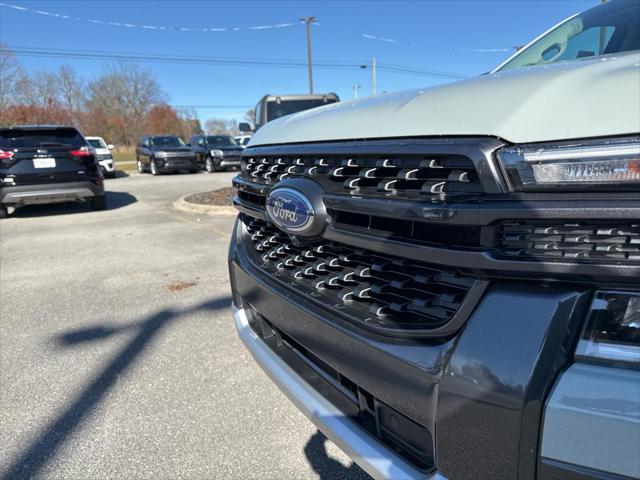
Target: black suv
x,y
47,164
216,152
163,154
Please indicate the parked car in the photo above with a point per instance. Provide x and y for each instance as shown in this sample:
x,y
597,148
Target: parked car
x,y
158,154
47,164
103,155
271,107
242,140
447,280
216,152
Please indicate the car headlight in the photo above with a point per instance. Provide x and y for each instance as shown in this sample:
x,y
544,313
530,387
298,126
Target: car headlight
x,y
612,164
612,331
160,154
217,153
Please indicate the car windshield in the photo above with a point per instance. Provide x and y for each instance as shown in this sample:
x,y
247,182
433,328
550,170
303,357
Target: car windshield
x,y
287,107
33,138
167,142
97,143
221,141
612,27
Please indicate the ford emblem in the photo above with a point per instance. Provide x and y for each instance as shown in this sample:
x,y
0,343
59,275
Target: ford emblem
x,y
290,210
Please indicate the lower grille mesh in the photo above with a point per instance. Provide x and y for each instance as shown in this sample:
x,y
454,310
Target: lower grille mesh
x,y
383,292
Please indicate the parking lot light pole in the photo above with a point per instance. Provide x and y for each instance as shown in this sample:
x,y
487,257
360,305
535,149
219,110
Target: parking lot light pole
x,y
308,21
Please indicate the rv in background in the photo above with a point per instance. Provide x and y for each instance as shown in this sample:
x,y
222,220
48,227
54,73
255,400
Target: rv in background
x,y
271,107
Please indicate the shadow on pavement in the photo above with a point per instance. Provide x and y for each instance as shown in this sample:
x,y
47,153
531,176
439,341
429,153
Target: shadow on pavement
x,y
53,435
115,200
326,467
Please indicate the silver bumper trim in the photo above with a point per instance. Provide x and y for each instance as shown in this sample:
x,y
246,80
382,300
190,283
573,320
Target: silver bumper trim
x,y
373,457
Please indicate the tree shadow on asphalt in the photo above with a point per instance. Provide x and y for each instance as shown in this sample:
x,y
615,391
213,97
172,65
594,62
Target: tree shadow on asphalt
x,y
53,436
115,200
326,467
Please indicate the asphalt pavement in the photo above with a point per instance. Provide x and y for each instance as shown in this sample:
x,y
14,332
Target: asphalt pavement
x,y
118,355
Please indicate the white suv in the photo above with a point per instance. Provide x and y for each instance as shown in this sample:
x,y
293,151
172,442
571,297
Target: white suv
x,y
104,156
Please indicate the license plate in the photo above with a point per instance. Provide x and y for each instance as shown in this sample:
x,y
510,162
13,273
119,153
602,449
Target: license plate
x,y
44,163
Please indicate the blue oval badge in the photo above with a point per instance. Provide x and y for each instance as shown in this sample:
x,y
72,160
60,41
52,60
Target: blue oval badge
x,y
290,210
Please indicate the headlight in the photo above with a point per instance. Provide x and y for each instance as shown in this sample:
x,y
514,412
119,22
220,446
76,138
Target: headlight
x,y
612,164
217,153
160,154
612,331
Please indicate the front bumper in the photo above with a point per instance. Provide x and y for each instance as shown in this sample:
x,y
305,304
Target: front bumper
x,y
230,162
172,165
49,193
108,165
475,400
377,460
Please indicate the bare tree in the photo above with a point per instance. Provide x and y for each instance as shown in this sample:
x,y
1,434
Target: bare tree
x,y
11,75
72,91
221,126
250,116
127,91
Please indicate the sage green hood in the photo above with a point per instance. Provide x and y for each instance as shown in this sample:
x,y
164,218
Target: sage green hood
x,y
578,99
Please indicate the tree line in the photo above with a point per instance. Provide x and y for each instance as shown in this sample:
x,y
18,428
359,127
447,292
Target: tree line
x,y
121,104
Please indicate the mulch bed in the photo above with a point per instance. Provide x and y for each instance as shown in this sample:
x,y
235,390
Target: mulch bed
x,y
221,197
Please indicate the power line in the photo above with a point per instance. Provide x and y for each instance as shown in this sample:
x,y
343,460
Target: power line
x,y
96,21
223,61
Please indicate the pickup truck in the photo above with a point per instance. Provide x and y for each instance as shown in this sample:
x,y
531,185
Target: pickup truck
x,y
446,281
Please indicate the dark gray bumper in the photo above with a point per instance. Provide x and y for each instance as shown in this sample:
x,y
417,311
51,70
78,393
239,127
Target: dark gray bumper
x,y
49,193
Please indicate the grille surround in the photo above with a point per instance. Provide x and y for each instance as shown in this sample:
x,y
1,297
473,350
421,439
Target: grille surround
x,y
388,295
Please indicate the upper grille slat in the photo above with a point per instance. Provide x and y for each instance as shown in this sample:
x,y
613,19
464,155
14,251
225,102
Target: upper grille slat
x,y
411,175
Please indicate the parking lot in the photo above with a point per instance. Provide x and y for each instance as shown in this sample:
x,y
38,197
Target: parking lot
x,y
118,353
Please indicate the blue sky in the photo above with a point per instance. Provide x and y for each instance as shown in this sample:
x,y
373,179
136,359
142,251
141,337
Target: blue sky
x,y
435,35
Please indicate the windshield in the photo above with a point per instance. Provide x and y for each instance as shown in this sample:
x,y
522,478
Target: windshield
x,y
167,142
612,27
287,107
221,141
57,137
96,142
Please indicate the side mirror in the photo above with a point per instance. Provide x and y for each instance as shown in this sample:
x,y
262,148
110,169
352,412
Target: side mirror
x,y
244,127
111,146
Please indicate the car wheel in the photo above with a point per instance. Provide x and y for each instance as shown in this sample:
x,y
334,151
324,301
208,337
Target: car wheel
x,y
4,213
99,203
208,164
103,172
140,167
154,167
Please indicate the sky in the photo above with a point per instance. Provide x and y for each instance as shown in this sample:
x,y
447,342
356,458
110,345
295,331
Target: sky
x,y
464,38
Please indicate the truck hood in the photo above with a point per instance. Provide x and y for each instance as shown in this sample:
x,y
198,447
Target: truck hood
x,y
590,97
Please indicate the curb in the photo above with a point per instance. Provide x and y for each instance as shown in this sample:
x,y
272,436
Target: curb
x,y
213,210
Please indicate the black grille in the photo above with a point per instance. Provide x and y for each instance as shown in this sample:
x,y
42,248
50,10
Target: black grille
x,y
449,236
592,241
381,292
403,175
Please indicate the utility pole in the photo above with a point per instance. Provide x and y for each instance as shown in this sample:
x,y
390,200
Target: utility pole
x,y
373,76
308,21
356,89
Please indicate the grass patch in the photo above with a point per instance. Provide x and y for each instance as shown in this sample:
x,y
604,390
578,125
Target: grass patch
x,y
125,159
